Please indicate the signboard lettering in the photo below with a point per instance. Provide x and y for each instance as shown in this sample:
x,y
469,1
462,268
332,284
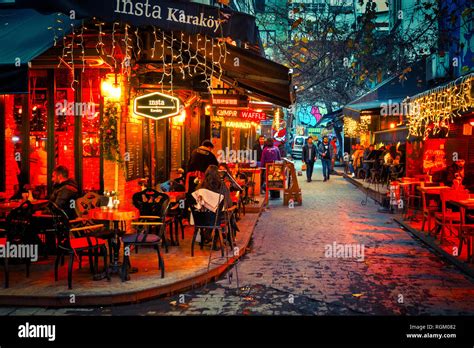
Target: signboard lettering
x,y
156,105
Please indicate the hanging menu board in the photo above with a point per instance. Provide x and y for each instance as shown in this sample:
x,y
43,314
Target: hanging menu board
x,y
134,151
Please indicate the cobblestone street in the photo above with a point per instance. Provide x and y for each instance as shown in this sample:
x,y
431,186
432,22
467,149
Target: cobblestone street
x,y
287,271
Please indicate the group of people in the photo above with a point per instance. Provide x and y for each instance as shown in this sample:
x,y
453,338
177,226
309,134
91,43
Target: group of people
x,y
369,157
325,151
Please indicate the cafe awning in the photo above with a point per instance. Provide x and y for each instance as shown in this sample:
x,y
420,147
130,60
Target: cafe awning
x,y
370,108
393,90
24,35
189,17
258,76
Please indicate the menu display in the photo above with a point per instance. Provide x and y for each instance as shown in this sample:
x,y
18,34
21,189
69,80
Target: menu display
x,y
134,151
275,176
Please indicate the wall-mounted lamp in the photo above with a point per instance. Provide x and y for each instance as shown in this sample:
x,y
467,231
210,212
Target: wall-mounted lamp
x,y
110,87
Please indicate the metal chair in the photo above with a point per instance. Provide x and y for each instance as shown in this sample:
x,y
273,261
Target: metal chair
x,y
144,238
76,241
18,231
150,203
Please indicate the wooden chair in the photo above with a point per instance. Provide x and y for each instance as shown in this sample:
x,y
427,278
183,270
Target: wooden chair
x,y
466,234
76,241
428,212
87,202
92,200
448,219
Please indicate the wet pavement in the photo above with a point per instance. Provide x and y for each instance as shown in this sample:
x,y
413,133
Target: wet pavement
x,y
331,256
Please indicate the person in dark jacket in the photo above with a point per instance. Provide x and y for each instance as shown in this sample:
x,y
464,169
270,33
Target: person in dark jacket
x,y
202,157
258,148
65,191
309,157
326,153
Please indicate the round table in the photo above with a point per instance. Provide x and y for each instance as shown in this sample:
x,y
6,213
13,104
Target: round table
x,y
115,215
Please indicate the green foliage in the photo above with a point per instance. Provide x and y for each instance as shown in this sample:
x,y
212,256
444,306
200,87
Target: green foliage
x,y
109,132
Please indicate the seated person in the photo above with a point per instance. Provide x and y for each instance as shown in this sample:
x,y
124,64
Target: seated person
x,y
65,191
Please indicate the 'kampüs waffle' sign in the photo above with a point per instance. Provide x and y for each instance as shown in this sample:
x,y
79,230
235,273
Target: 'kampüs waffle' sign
x,y
249,114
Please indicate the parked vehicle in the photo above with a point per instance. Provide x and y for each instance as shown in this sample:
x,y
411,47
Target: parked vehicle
x,y
297,146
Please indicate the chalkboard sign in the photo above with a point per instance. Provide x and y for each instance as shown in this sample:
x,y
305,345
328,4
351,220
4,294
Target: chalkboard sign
x,y
146,150
275,176
134,151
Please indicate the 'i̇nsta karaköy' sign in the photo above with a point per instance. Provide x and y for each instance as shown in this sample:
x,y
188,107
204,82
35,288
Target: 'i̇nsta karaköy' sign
x,y
190,17
156,105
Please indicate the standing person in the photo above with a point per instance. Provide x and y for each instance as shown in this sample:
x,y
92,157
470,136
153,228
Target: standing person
x,y
334,146
202,157
326,153
65,190
309,157
270,154
258,148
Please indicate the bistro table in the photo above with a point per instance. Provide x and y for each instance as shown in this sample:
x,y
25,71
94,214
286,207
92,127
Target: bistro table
x,y
116,216
465,205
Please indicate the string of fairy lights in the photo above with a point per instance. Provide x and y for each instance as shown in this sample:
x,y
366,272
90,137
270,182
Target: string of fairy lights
x,y
173,54
431,112
353,128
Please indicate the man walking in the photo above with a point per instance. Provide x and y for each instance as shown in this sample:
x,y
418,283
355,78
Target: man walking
x,y
309,157
326,153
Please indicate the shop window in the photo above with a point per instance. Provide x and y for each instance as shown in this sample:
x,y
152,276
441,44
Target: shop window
x,y
38,134
65,112
90,131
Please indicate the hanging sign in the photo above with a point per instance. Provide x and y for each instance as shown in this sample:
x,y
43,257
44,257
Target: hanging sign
x,y
250,115
230,100
156,105
253,115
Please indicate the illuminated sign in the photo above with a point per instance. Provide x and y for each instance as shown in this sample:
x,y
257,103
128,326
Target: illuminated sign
x,y
253,115
238,124
230,100
156,105
225,112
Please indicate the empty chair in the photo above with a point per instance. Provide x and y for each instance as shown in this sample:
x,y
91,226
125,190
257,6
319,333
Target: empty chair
x,y
77,241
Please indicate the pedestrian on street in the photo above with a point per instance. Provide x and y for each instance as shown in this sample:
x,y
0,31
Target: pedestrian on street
x,y
309,157
326,153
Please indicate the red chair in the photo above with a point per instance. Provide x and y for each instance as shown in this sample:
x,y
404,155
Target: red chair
x,y
77,241
446,218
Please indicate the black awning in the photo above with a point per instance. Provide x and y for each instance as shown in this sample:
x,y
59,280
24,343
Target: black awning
x,y
265,79
189,17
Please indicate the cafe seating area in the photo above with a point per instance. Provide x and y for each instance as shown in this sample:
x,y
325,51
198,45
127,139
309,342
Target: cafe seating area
x,y
440,214
140,249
